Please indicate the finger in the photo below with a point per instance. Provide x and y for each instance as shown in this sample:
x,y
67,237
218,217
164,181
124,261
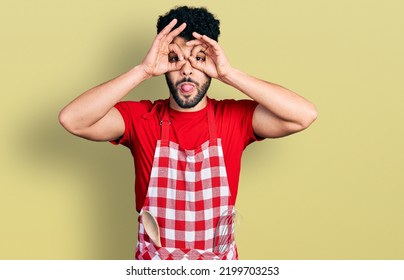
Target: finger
x,y
168,28
196,35
174,33
163,33
198,49
197,64
164,38
198,57
195,42
205,39
171,35
176,65
177,50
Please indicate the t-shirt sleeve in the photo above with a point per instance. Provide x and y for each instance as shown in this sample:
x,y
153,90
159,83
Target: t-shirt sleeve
x,y
123,109
247,111
242,112
237,120
130,110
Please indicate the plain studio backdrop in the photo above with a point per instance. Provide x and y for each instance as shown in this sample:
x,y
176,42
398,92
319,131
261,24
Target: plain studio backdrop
x,y
334,191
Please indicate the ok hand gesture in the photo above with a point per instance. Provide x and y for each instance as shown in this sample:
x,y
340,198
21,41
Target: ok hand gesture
x,y
156,61
214,62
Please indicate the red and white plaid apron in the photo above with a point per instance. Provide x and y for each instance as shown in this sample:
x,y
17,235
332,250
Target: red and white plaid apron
x,y
189,196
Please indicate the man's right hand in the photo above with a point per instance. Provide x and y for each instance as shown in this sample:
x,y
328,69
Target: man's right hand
x,y
93,116
156,61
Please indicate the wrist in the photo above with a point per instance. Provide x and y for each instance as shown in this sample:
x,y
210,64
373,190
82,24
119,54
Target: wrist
x,y
140,72
228,76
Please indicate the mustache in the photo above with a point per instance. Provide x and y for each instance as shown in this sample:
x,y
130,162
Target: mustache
x,y
186,80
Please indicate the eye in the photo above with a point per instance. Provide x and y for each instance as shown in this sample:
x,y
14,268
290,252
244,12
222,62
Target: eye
x,y
172,57
200,56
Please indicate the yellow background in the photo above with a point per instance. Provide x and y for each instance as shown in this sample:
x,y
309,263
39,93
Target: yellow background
x,y
334,191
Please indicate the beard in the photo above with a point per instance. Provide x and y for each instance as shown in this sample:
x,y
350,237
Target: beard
x,y
189,102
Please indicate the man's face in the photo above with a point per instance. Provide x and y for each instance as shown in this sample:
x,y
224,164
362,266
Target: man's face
x,y
188,86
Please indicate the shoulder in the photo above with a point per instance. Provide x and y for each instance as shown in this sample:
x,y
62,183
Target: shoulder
x,y
146,105
232,106
235,119
139,108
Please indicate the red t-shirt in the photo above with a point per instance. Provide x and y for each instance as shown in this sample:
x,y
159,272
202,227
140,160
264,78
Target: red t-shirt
x,y
189,130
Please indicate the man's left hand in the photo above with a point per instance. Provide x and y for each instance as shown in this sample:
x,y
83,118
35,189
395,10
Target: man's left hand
x,y
208,57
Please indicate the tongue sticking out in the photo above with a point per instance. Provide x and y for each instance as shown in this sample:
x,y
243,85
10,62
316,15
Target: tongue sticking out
x,y
187,88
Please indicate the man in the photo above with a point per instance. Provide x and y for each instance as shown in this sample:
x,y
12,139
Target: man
x,y
187,149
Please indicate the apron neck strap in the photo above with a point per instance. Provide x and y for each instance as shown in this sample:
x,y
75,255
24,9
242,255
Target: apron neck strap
x,y
165,122
211,121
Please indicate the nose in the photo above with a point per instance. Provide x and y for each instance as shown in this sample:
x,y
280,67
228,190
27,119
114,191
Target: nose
x,y
187,69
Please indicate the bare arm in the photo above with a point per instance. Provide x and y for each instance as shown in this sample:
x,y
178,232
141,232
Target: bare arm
x,y
280,111
92,115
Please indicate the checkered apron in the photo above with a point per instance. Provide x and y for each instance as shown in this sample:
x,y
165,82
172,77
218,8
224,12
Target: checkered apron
x,y
189,196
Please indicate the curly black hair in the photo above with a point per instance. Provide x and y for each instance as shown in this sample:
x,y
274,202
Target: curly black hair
x,y
198,20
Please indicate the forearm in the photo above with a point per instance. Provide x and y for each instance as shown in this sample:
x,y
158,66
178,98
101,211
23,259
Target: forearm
x,y
94,104
281,102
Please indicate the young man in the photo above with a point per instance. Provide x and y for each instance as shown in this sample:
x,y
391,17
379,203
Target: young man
x,y
187,149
